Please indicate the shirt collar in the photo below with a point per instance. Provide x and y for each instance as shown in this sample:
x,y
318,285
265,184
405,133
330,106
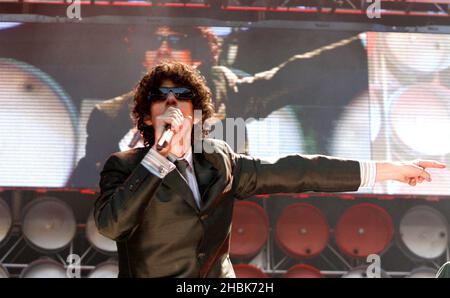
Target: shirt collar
x,y
187,156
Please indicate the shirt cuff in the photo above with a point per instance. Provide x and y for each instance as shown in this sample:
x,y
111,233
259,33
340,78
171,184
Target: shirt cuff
x,y
157,164
368,173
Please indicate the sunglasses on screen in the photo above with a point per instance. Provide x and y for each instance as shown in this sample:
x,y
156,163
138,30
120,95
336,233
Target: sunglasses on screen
x,y
175,42
161,93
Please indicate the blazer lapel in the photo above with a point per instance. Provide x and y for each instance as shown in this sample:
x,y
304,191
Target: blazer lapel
x,y
207,177
208,181
174,182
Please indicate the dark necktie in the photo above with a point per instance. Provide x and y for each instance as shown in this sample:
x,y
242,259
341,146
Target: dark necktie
x,y
182,165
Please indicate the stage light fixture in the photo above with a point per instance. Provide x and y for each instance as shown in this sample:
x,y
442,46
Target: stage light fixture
x,y
48,224
364,229
363,272
44,268
423,232
6,221
423,272
108,269
249,230
303,271
248,271
302,230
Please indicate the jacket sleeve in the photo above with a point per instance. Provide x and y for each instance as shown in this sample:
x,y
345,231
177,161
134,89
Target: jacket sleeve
x,y
87,170
123,198
300,80
293,173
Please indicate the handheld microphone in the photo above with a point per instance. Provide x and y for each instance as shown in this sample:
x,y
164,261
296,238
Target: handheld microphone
x,y
165,138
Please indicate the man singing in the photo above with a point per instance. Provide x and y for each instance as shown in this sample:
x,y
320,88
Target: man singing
x,y
170,210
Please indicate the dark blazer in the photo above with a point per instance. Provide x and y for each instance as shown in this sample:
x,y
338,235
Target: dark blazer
x,y
160,231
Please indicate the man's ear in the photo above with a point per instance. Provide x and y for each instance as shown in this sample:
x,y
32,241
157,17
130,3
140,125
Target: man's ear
x,y
148,120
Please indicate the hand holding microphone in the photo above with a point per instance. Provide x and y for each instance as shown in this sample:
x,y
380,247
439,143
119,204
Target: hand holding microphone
x,y
165,138
173,132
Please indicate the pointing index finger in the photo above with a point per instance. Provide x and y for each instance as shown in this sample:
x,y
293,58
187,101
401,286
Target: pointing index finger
x,y
431,164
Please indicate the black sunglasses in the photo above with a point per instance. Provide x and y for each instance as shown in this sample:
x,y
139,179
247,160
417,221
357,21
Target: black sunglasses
x,y
175,42
161,93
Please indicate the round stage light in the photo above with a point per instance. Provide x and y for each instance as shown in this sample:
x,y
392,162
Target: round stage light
x,y
248,271
302,230
6,221
361,272
413,53
364,229
303,271
108,269
423,232
97,240
249,230
44,268
39,151
358,125
414,131
423,272
48,224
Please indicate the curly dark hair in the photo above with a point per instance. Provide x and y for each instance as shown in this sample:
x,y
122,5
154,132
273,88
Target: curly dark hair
x,y
179,73
212,41
204,43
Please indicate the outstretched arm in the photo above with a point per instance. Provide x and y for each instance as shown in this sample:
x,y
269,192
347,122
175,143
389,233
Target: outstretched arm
x,y
299,173
294,173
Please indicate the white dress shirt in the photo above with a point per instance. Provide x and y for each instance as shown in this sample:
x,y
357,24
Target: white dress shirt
x,y
161,166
